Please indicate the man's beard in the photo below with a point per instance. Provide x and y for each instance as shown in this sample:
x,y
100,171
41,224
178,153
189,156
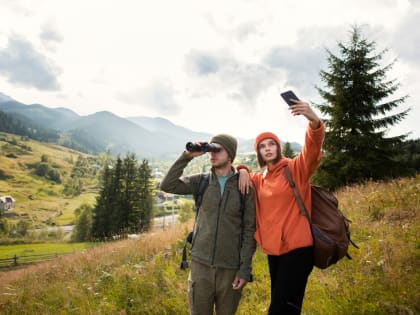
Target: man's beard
x,y
221,165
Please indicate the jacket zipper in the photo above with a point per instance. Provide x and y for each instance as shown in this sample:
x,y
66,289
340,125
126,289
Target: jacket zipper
x,y
217,229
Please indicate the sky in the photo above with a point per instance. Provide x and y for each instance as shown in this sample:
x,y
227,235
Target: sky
x,y
211,66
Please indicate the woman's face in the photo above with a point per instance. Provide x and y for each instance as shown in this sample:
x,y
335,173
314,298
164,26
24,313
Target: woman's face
x,y
268,150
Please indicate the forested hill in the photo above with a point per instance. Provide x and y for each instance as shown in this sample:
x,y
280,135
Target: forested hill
x,y
147,137
10,124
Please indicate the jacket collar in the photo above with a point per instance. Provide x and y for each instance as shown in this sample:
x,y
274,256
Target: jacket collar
x,y
278,167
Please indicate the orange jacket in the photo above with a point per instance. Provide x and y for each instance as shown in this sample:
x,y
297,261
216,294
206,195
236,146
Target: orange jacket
x,y
280,226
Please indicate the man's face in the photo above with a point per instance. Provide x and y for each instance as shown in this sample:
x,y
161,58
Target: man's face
x,y
219,159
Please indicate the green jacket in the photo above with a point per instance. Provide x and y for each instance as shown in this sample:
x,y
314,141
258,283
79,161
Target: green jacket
x,y
219,238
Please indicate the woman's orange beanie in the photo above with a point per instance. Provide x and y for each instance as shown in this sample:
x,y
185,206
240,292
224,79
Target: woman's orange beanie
x,y
265,135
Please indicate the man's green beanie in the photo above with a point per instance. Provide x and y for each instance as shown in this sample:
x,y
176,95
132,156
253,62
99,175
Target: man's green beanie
x,y
228,142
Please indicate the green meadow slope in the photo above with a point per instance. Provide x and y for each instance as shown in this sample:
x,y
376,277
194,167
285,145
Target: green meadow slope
x,y
142,276
39,200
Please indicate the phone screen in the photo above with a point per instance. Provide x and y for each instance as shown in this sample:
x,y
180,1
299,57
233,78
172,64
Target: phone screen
x,y
287,96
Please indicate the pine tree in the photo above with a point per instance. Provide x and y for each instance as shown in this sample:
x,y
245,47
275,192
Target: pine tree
x,y
101,212
125,202
131,198
358,99
287,150
146,200
115,199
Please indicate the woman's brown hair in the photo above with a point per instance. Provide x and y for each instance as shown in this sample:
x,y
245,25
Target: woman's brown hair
x,y
262,163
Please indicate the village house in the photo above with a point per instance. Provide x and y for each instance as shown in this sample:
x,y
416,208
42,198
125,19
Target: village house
x,y
7,203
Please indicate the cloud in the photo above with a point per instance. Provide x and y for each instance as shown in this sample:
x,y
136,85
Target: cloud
x,y
303,61
49,36
245,30
222,73
17,7
301,66
20,63
240,31
406,41
249,81
415,3
203,63
158,95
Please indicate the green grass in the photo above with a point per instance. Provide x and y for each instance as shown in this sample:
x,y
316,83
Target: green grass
x,y
66,216
39,200
8,251
143,277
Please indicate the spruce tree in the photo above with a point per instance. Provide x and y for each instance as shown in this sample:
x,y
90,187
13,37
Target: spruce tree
x,y
287,150
115,199
125,203
101,213
145,195
131,198
358,100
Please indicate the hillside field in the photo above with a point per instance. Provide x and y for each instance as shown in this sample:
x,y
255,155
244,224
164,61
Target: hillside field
x,y
39,200
142,276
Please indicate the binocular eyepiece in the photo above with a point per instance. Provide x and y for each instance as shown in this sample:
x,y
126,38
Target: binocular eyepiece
x,y
202,147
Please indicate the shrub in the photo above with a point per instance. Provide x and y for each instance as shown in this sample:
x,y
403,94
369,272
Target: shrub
x,y
42,169
45,170
83,228
54,175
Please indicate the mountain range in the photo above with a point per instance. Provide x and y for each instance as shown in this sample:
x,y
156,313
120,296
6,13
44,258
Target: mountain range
x,y
147,137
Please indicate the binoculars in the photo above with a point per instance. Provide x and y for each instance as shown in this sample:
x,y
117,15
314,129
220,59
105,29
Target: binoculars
x,y
202,147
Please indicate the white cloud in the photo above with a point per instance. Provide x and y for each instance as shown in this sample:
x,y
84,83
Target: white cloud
x,y
50,37
23,65
240,81
406,41
226,61
159,96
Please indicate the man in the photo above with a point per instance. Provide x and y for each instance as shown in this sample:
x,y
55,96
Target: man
x,y
223,242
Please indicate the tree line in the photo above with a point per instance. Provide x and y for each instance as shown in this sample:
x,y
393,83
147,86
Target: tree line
x,y
124,204
10,124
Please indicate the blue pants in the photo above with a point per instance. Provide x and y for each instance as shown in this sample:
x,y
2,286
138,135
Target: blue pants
x,y
289,274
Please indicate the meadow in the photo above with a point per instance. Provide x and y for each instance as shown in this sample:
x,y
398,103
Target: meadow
x,y
142,276
7,251
39,200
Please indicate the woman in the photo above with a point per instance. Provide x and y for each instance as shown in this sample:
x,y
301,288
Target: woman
x,y
282,232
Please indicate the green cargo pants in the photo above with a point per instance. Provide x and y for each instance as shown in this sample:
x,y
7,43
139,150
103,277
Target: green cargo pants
x,y
210,289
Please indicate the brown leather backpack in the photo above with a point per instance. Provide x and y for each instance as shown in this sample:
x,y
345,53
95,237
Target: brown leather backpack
x,y
330,228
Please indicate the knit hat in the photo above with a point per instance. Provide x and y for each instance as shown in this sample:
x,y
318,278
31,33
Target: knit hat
x,y
228,142
265,135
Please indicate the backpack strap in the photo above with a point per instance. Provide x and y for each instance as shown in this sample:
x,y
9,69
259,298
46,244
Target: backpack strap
x,y
242,207
299,200
198,198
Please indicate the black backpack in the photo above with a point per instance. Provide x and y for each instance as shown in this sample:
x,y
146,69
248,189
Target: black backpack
x,y
204,182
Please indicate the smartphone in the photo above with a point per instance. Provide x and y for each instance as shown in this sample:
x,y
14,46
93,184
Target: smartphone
x,y
289,95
